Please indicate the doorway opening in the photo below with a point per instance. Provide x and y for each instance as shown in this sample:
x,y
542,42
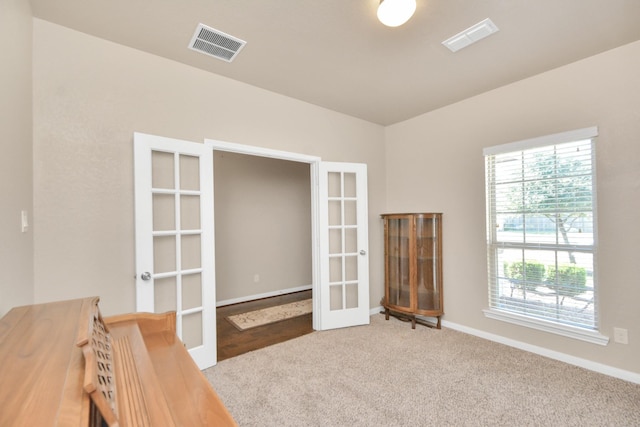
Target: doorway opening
x,y
175,238
264,241
263,233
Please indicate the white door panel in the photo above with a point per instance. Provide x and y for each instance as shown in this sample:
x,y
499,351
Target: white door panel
x,y
344,247
174,238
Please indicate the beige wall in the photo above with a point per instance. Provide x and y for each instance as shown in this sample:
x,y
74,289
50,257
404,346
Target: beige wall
x,y
90,95
16,171
262,225
435,163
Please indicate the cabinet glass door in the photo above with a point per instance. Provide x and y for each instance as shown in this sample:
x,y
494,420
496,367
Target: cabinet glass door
x,y
427,262
399,230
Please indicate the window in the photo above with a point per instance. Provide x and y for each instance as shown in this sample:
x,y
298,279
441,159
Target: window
x,y
541,234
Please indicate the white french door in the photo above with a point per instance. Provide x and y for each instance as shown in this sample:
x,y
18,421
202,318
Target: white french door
x,y
174,238
340,235
343,246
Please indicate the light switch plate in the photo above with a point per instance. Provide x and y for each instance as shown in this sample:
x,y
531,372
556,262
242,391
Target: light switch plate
x,y
25,221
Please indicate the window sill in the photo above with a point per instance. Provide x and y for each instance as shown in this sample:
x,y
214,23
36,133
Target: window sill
x,y
541,325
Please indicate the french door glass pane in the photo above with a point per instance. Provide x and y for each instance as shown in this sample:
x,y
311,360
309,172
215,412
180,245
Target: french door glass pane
x,y
351,295
164,254
189,173
335,241
335,212
351,240
335,269
164,212
191,257
192,329
164,294
334,184
335,296
162,170
350,185
351,268
189,212
191,291
350,212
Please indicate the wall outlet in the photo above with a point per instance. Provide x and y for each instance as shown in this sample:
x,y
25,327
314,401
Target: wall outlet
x,y
620,336
256,278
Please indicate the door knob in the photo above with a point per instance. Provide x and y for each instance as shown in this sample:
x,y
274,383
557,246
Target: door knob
x,y
363,252
145,276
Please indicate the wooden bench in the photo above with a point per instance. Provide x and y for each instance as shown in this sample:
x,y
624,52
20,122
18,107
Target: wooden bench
x,y
128,370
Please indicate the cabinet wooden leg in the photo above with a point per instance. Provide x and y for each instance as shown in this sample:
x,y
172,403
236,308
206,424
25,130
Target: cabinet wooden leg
x,y
386,314
413,322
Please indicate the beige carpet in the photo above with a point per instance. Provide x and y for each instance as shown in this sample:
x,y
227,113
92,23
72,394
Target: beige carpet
x,y
268,315
386,374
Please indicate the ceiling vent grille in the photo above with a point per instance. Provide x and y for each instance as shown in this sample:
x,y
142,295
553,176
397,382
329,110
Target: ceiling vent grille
x,y
215,43
471,35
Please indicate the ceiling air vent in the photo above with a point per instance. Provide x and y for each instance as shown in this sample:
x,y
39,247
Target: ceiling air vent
x,y
471,35
215,43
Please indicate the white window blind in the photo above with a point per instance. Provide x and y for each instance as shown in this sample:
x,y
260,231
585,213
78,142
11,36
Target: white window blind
x,y
541,229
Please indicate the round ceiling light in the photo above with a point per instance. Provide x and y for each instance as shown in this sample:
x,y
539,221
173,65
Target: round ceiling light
x,y
393,13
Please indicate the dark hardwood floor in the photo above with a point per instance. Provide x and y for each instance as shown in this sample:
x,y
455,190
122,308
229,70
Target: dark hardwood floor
x,y
233,342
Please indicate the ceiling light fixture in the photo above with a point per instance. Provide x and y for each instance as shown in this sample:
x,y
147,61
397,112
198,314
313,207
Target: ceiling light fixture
x,y
394,13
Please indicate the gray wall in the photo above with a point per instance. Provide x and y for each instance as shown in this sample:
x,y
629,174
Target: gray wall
x,y
445,173
263,225
91,95
16,167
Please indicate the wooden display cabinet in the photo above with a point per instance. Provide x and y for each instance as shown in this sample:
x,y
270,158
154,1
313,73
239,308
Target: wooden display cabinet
x,y
413,267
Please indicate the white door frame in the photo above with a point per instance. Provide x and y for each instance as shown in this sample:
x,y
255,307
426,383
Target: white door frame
x,y
313,162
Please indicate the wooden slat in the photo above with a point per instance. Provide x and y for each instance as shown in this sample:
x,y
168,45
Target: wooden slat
x,y
157,408
189,394
95,342
132,404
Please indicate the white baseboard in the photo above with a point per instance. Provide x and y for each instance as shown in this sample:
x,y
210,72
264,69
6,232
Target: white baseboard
x,y
376,310
265,295
562,357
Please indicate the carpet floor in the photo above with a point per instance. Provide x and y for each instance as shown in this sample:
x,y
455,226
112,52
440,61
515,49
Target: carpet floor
x,y
387,374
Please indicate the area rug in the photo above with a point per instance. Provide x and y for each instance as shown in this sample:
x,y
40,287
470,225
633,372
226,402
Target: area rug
x,y
268,315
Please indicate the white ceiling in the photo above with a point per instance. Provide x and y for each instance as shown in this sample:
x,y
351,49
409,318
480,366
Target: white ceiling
x,y
335,54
